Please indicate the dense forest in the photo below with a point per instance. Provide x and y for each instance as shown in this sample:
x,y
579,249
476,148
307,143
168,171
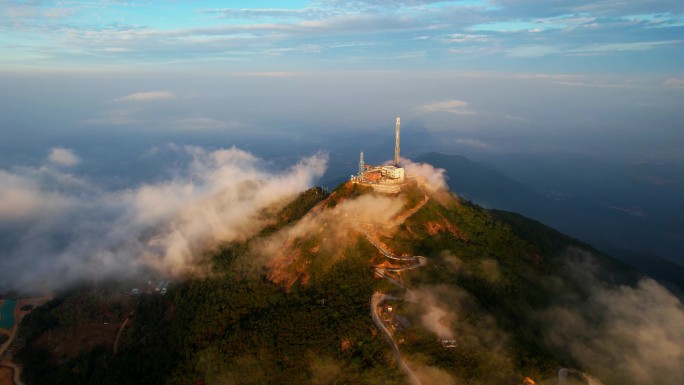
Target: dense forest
x,y
237,326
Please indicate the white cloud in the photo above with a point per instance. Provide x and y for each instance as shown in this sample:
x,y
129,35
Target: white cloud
x,y
61,229
435,178
516,118
63,157
145,96
539,50
247,34
473,143
530,51
622,334
598,85
674,82
267,74
202,124
112,118
22,199
467,38
618,47
453,106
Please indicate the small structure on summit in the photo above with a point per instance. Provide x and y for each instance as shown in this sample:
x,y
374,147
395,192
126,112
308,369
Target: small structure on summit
x,y
384,178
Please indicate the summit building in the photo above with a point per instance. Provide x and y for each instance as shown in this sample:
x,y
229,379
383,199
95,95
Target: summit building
x,y
385,178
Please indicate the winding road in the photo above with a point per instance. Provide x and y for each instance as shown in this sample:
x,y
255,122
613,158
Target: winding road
x,y
378,298
121,329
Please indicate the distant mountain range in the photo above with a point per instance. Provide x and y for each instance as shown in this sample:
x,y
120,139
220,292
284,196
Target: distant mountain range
x,y
628,210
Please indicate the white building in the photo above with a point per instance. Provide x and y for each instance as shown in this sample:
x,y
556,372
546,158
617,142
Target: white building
x,y
393,172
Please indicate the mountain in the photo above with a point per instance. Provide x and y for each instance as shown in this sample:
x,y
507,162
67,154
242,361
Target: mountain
x,y
633,206
669,273
360,287
486,185
591,200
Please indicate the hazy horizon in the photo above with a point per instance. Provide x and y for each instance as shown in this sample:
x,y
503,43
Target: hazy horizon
x,y
600,79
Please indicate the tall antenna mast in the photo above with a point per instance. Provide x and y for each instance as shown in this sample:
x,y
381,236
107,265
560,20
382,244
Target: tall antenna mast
x,y
396,144
362,165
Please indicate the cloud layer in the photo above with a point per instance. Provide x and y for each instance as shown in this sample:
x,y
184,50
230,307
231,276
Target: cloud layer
x,y
332,32
623,335
58,228
147,96
457,107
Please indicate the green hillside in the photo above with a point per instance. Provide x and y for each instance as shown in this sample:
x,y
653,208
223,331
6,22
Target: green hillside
x,y
302,316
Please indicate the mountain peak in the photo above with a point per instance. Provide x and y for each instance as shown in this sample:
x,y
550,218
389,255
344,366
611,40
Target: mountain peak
x,y
456,293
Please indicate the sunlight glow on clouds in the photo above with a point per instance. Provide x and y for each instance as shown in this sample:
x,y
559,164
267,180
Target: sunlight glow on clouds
x,y
674,82
63,157
457,107
81,231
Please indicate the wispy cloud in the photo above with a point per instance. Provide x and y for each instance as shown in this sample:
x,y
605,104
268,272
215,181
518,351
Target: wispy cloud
x,y
532,51
473,143
266,74
619,47
595,84
247,36
457,107
202,124
674,82
269,13
146,96
467,38
111,118
516,118
625,335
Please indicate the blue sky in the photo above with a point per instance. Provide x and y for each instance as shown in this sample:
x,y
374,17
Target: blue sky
x,y
497,35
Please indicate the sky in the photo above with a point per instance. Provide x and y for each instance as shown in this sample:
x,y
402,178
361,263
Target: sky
x,y
495,35
603,78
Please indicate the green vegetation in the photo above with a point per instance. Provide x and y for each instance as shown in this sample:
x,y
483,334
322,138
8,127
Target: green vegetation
x,y
296,209
492,268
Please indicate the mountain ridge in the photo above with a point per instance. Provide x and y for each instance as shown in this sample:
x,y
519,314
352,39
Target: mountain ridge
x,y
492,280
492,188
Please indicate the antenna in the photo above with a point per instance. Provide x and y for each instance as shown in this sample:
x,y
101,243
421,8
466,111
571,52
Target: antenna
x,y
396,144
362,165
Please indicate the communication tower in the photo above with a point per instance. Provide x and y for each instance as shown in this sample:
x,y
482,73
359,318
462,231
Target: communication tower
x,y
362,164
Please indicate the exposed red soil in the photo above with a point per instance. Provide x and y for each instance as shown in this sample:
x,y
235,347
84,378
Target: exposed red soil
x,y
387,264
286,270
6,375
434,227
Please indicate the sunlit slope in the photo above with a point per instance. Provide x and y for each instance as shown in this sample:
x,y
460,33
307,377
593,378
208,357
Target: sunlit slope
x,y
494,304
